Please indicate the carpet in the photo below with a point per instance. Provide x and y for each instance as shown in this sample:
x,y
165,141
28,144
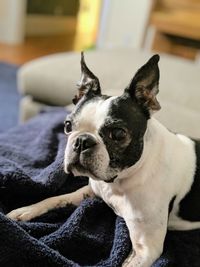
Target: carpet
x,y
9,97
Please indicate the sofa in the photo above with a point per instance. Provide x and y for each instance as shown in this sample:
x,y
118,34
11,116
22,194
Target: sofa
x,y
51,81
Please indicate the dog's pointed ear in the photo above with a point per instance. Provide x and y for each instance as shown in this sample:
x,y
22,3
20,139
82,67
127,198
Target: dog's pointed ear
x,y
88,83
144,85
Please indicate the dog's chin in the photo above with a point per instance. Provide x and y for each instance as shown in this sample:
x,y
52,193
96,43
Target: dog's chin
x,y
77,169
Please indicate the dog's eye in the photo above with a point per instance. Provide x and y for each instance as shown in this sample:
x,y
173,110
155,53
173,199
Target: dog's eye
x,y
117,134
67,127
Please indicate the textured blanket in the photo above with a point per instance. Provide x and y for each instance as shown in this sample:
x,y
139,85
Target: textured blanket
x,y
31,169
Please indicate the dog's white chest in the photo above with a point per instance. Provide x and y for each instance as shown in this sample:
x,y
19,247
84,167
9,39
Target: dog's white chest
x,y
111,194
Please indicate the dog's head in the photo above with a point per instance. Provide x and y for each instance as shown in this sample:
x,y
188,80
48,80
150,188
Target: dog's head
x,y
106,134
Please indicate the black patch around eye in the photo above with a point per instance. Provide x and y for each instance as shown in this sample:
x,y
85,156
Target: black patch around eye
x,y
67,126
117,134
125,114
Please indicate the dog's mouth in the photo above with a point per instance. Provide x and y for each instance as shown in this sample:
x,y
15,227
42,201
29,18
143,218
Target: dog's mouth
x,y
77,169
74,166
111,180
87,164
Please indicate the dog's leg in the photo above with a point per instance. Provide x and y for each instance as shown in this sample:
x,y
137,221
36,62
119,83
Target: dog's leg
x,y
32,211
147,241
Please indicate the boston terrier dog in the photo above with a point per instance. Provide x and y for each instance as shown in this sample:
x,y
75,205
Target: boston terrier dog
x,y
145,173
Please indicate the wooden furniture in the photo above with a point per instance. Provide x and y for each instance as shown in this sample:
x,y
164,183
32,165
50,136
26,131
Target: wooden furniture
x,y
177,27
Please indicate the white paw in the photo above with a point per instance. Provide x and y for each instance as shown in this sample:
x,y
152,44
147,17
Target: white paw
x,y
25,213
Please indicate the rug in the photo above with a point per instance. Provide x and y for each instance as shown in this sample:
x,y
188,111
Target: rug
x,y
9,97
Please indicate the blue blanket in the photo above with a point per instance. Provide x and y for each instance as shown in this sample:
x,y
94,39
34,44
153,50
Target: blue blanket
x,y
31,169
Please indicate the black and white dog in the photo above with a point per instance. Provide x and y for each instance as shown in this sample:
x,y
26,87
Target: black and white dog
x,y
147,174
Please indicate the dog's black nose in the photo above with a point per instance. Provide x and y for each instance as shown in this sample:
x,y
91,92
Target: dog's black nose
x,y
84,142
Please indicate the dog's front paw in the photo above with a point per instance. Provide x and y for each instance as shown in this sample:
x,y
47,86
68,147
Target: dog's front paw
x,y
25,213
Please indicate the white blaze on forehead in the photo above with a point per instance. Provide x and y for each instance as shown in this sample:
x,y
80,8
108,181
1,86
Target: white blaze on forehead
x,y
93,114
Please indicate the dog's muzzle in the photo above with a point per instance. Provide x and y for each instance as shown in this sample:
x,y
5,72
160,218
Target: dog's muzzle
x,y
81,151
84,142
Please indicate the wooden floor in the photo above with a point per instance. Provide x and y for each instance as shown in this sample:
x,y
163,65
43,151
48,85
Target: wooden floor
x,y
35,47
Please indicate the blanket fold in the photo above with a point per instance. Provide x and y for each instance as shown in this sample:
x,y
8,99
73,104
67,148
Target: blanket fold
x,y
31,169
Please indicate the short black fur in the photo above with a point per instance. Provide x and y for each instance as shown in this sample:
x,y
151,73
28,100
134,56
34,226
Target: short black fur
x,y
126,113
189,208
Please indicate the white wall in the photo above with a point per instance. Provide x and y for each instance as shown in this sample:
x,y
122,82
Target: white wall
x,y
12,18
123,22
